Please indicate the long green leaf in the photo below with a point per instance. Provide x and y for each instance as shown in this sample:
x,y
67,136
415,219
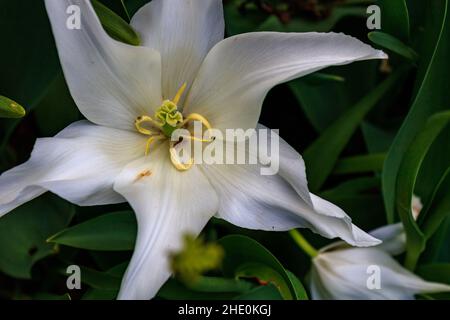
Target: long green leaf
x,y
109,232
116,27
360,164
439,209
395,18
432,97
393,44
407,177
322,155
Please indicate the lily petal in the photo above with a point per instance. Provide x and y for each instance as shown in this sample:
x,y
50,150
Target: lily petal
x,y
275,203
343,274
393,237
183,31
168,204
112,83
239,71
79,164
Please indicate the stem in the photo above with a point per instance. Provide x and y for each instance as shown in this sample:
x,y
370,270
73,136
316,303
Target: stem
x,y
303,243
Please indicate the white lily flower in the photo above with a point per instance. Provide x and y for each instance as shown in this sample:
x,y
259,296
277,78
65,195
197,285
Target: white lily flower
x,y
340,272
183,71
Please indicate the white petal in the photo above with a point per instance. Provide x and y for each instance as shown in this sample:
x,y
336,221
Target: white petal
x,y
79,164
112,83
254,201
239,71
393,237
168,204
183,31
343,274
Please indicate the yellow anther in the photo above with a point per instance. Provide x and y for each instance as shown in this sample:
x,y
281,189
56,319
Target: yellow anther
x,y
179,94
196,117
180,166
145,119
151,140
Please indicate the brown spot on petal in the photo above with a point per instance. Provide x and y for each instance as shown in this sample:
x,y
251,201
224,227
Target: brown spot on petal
x,y
143,174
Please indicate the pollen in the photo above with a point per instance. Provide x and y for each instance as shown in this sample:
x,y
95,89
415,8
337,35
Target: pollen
x,y
143,174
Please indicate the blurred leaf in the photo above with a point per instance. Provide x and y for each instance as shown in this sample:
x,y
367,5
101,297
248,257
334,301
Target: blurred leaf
x,y
319,78
268,292
114,25
174,290
360,164
377,139
300,290
24,230
432,97
393,44
353,187
109,232
10,108
57,109
241,251
334,139
99,280
395,18
432,217
435,272
118,6
407,176
100,294
221,285
264,275
24,27
49,296
239,19
273,23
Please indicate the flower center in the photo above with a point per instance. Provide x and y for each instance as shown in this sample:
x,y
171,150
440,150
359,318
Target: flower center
x,y
167,119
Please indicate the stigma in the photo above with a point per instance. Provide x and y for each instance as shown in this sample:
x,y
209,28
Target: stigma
x,y
167,119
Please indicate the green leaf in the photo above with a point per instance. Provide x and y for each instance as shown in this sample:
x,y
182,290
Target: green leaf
x,y
109,232
407,176
378,140
24,230
334,139
360,164
269,292
433,216
25,70
300,291
264,274
57,109
10,108
174,290
217,285
114,25
393,44
118,6
395,18
273,23
435,272
241,251
432,97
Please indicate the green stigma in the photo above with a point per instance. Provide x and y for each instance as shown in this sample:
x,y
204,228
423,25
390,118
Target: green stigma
x,y
169,117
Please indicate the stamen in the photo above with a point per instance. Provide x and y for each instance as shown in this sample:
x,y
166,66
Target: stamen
x,y
151,140
180,92
143,119
196,117
176,160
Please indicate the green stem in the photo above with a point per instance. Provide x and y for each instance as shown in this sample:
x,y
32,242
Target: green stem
x,y
303,243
